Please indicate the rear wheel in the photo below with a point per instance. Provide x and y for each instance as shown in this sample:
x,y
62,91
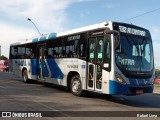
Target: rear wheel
x,y
25,76
76,86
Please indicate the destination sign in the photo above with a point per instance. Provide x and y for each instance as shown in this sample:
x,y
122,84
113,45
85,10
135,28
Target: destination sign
x,y
75,37
131,31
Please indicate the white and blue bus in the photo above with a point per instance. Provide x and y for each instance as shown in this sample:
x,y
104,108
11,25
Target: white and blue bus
x,y
109,58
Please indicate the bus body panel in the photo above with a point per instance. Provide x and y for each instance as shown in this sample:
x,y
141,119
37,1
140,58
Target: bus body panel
x,y
105,81
19,64
59,70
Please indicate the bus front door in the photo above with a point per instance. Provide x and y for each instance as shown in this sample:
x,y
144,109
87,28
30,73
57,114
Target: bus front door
x,y
95,64
41,62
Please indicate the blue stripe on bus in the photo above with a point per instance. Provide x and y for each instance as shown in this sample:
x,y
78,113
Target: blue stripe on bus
x,y
52,35
35,40
44,68
117,88
34,66
55,70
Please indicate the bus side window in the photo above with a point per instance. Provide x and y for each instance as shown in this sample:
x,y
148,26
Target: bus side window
x,y
81,48
64,53
30,51
75,48
27,53
14,52
56,52
68,48
21,52
100,50
50,53
92,50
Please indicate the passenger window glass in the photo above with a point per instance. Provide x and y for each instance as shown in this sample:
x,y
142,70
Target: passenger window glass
x,y
100,49
30,51
54,48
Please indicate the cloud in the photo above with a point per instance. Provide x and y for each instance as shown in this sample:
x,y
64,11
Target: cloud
x,y
155,33
49,14
156,53
156,30
11,34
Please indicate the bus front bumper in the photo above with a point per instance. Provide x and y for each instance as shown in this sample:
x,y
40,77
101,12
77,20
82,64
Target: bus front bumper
x,y
128,89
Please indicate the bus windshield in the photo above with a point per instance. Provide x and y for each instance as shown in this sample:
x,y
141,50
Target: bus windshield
x,y
134,54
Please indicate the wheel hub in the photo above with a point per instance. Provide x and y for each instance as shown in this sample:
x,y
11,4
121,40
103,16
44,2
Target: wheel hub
x,y
76,86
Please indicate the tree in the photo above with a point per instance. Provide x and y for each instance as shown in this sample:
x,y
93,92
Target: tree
x,y
157,72
3,57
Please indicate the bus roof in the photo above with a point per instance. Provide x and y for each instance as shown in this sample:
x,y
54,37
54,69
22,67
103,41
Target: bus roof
x,y
54,35
73,31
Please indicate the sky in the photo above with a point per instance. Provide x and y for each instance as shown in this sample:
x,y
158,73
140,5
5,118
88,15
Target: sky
x,y
62,15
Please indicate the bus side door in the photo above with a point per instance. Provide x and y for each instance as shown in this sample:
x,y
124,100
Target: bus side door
x,y
95,63
41,61
98,64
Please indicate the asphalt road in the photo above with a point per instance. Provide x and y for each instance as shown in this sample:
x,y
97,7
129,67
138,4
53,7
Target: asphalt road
x,y
18,96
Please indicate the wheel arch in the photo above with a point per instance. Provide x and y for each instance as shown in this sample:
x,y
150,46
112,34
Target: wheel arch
x,y
23,70
69,77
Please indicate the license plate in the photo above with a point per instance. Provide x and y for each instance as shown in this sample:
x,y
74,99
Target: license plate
x,y
139,92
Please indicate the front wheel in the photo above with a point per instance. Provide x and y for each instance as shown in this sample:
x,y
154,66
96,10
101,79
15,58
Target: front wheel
x,y
76,86
25,76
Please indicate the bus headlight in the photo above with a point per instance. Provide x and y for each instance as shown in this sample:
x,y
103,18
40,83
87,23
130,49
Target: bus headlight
x,y
119,78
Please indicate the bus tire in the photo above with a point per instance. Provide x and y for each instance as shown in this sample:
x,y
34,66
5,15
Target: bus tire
x,y
76,86
25,76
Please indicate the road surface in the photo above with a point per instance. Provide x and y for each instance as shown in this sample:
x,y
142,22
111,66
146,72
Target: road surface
x,y
15,95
